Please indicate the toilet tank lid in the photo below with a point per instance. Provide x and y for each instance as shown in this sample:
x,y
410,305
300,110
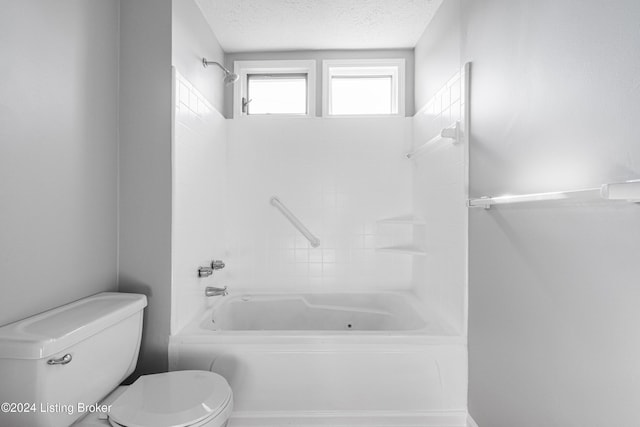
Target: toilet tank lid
x,y
51,332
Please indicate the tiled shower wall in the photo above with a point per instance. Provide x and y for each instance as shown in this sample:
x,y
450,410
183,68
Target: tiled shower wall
x,y
338,176
199,195
439,195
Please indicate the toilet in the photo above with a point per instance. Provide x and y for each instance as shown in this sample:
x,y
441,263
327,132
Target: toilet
x,y
64,367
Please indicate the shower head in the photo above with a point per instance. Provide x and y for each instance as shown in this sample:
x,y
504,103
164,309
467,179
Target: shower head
x,y
229,77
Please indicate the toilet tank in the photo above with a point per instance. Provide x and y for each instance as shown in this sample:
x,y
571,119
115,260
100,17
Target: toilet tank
x,y
95,342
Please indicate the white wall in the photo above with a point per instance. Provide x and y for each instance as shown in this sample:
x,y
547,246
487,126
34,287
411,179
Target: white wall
x,y
192,39
319,56
437,53
58,152
338,176
553,287
145,168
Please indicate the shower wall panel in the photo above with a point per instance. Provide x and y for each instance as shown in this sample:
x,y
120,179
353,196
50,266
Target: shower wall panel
x,y
338,176
199,195
439,194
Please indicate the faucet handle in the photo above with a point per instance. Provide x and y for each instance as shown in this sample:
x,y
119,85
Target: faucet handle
x,y
205,271
217,264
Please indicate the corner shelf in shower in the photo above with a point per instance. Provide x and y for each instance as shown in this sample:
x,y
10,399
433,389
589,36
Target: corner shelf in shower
x,y
407,250
410,248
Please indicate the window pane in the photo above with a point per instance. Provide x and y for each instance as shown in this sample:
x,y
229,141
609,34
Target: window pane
x,y
277,94
361,95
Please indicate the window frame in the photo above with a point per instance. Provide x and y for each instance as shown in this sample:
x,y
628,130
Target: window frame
x,y
330,68
245,68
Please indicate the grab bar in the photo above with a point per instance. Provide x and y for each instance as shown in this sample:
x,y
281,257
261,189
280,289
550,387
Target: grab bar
x,y
452,132
313,240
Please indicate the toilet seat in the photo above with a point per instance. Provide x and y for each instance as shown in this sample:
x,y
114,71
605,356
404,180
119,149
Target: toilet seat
x,y
173,399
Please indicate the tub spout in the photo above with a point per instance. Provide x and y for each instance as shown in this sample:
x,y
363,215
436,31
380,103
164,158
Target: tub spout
x,y
212,291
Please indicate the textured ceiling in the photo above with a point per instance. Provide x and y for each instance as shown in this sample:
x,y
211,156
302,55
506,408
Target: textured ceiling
x,y
268,25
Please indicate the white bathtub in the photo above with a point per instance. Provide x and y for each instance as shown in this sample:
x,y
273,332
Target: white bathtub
x,y
341,359
315,312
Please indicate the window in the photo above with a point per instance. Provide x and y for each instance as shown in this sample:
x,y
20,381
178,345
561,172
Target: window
x,y
274,88
363,87
276,94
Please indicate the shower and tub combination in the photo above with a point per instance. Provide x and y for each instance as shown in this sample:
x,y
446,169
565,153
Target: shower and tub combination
x,y
344,358
328,358
332,308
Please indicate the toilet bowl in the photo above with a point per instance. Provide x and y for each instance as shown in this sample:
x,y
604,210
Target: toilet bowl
x,y
68,359
181,398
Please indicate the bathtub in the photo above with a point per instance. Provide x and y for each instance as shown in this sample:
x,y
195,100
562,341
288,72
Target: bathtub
x,y
337,359
315,312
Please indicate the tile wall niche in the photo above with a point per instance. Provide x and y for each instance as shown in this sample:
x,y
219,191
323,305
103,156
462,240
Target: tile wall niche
x,y
339,177
439,197
199,198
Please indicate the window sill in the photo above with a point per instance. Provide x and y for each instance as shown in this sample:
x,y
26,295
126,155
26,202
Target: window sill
x,y
362,116
274,116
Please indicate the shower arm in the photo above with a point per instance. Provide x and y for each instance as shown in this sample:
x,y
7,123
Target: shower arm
x,y
206,63
229,77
